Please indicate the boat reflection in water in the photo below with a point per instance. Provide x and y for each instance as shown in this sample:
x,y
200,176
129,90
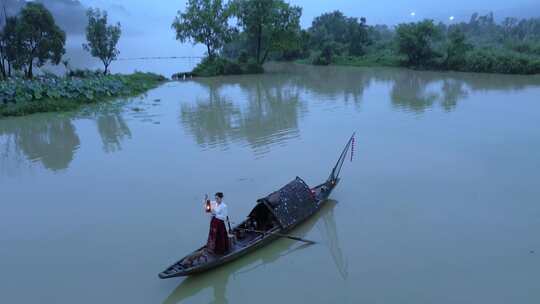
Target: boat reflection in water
x,y
219,278
329,233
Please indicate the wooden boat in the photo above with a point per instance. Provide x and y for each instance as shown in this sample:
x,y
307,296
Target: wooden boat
x,y
273,216
217,280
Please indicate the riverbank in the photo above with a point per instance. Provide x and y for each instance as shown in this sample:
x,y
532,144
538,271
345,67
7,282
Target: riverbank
x,y
364,61
20,97
477,61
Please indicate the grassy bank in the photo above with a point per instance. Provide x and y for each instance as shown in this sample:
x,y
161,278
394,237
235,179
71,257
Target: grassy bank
x,y
484,60
371,60
47,94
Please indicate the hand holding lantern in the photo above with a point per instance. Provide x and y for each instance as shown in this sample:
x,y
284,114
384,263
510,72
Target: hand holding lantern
x,y
207,206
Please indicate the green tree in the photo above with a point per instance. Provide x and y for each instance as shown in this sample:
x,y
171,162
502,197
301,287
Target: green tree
x,y
271,25
8,45
415,40
337,29
456,49
329,27
359,37
3,45
300,50
102,38
206,22
39,39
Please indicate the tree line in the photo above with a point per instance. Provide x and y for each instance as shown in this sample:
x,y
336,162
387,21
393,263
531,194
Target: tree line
x,y
241,35
258,30
479,45
31,38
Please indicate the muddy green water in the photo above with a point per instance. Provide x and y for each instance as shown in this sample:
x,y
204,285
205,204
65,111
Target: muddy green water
x,y
441,203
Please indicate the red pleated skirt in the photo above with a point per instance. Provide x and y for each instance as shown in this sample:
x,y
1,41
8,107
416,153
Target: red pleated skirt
x,y
218,240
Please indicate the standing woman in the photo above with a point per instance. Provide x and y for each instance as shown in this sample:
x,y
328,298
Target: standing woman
x,y
218,240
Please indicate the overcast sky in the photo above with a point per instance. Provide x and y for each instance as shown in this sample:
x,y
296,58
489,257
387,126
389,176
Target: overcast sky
x,y
146,24
378,11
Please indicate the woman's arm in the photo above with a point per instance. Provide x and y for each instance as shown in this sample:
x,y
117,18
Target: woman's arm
x,y
213,206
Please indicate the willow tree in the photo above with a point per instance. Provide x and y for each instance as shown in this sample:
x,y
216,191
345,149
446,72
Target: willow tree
x,y
102,38
205,22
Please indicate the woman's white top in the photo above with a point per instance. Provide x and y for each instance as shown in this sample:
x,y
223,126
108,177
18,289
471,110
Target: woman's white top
x,y
219,211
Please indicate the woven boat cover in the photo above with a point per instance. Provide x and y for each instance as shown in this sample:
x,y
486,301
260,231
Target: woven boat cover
x,y
292,203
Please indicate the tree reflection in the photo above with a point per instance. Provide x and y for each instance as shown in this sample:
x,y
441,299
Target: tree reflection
x,y
271,114
333,82
417,91
213,120
113,130
410,91
268,116
268,107
453,90
51,140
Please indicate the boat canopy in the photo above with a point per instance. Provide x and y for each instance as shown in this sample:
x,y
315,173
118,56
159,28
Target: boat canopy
x,y
291,204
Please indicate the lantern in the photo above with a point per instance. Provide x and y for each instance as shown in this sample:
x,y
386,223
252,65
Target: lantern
x,y
207,207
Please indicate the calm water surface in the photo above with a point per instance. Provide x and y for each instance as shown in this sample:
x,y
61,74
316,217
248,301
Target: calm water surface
x,y
440,204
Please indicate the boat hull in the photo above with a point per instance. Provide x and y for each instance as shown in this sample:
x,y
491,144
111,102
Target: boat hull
x,y
259,243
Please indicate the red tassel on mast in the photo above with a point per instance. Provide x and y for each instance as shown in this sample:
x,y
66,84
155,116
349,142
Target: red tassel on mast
x,y
352,148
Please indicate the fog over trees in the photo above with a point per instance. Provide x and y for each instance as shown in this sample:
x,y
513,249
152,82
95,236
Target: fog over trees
x,y
70,15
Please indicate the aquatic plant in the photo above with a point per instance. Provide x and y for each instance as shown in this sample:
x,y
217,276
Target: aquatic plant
x,y
23,96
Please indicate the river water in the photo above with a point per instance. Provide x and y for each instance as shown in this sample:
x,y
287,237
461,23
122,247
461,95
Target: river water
x,y
440,203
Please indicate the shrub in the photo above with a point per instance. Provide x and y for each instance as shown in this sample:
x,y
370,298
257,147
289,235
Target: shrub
x,y
253,68
221,66
501,61
232,68
324,57
84,73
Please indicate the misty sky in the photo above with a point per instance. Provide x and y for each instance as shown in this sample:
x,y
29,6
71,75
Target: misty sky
x,y
146,25
380,11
